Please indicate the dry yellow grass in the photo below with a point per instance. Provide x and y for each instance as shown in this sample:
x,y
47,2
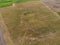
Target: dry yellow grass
x,y
32,23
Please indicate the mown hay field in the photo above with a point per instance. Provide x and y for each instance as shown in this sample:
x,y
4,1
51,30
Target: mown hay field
x,y
32,23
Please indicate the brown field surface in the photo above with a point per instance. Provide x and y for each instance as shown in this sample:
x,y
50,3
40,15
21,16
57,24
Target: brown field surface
x,y
32,23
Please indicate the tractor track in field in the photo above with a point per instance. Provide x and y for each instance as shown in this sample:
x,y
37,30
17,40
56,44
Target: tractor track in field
x,y
2,41
4,34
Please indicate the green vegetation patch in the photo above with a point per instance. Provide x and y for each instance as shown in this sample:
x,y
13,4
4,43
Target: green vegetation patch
x,y
59,13
4,3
